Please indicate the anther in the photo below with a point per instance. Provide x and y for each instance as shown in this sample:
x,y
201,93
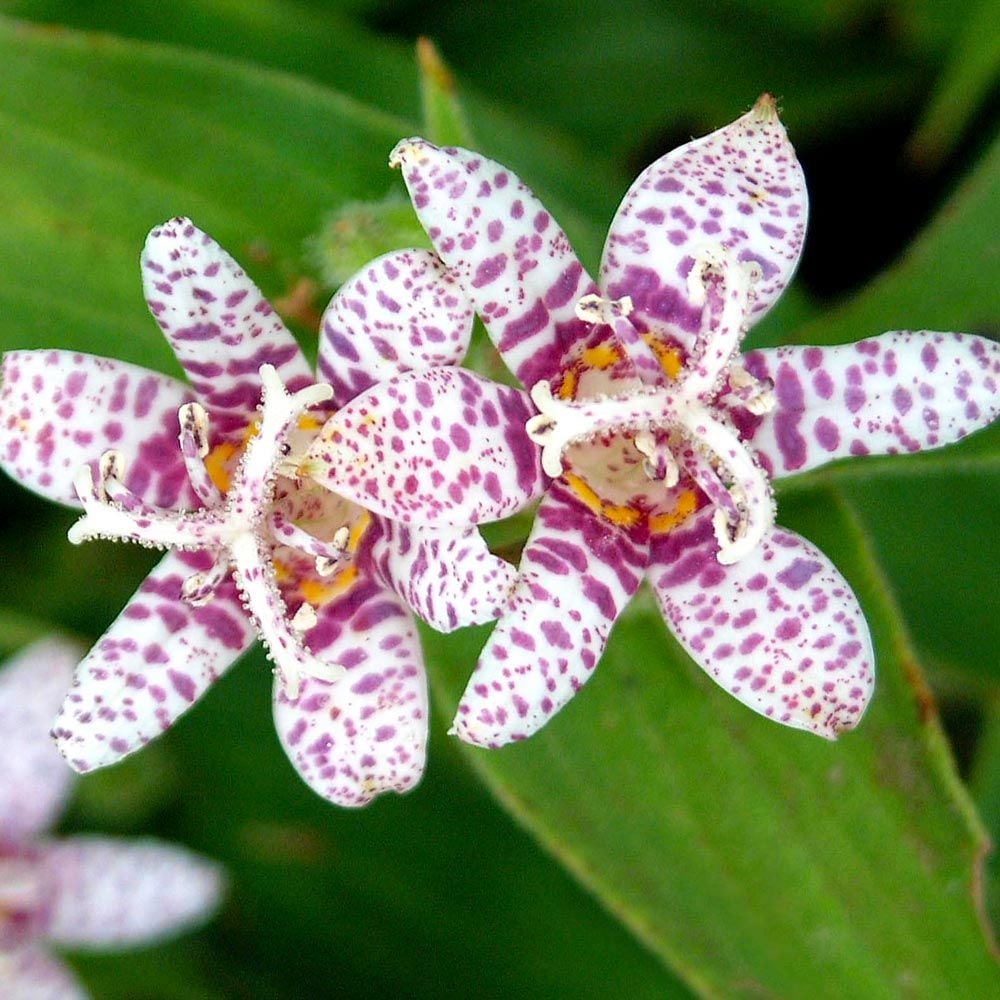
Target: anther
x,y
304,619
659,463
596,309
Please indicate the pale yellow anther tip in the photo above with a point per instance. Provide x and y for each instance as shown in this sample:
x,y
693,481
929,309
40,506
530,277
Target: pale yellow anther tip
x,y
765,110
407,152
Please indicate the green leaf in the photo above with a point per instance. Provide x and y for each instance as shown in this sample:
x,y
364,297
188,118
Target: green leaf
x,y
984,783
323,45
444,119
131,135
970,75
946,280
311,40
748,858
684,66
757,860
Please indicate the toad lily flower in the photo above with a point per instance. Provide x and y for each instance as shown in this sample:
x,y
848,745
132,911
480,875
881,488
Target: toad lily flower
x,y
258,548
661,439
76,892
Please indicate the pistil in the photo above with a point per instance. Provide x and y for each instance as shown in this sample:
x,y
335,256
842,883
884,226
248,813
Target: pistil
x,y
239,528
680,425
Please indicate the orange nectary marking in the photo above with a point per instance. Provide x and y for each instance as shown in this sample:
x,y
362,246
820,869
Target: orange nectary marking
x,y
223,458
669,357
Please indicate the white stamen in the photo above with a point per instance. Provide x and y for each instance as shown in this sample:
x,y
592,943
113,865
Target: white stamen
x,y
193,438
688,408
305,618
562,422
255,578
753,394
715,349
198,588
234,528
739,377
596,309
541,429
750,489
326,564
110,466
288,533
709,258
763,402
194,427
660,462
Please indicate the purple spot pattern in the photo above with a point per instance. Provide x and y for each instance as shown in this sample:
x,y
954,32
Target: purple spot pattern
x,y
220,326
492,470
121,699
514,263
893,394
367,733
576,575
48,431
115,893
35,780
780,630
365,340
448,576
89,891
741,187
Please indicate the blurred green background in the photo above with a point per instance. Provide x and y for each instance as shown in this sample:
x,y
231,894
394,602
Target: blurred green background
x,y
656,839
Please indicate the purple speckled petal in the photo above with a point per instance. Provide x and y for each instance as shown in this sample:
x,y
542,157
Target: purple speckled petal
x,y
577,573
403,311
443,447
367,733
220,326
780,630
900,392
112,893
448,576
740,188
59,409
157,658
30,974
34,779
511,257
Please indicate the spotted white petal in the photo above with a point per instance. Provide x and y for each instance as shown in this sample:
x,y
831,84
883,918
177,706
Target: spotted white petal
x,y
367,733
158,657
897,393
34,779
781,630
513,261
29,973
577,573
113,893
57,408
404,311
443,447
220,326
448,576
739,189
